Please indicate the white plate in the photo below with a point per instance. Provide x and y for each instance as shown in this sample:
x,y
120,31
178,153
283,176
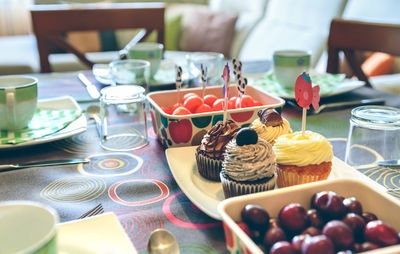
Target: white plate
x,y
345,86
206,195
74,128
98,234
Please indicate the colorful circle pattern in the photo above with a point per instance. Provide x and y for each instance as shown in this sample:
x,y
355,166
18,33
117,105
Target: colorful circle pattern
x,y
74,189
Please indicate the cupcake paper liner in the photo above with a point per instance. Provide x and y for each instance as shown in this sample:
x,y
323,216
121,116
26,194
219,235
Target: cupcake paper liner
x,y
208,168
233,188
285,179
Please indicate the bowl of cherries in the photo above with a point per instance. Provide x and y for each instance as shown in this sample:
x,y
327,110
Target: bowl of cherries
x,y
340,216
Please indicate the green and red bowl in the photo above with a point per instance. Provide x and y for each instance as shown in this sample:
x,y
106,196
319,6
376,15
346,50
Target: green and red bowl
x,y
188,130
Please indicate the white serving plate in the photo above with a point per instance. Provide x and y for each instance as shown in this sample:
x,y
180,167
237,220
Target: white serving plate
x,y
206,194
74,128
98,234
384,206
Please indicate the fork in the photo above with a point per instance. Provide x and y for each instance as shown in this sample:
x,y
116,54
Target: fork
x,y
94,211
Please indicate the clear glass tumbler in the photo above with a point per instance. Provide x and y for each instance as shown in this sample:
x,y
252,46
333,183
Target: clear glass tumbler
x,y
374,136
123,130
214,62
130,72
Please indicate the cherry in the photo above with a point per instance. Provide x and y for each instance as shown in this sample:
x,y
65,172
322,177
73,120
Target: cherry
x,y
186,96
274,235
315,218
218,105
380,233
356,223
317,245
282,247
330,205
369,217
293,217
245,102
256,217
166,110
297,242
353,205
340,234
312,231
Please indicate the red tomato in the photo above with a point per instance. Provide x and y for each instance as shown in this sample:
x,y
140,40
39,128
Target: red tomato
x,y
181,111
203,108
175,106
166,110
247,101
186,96
257,103
218,105
209,99
192,103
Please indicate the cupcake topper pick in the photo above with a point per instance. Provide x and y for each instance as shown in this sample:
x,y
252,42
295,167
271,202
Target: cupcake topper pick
x,y
203,77
178,81
305,95
225,77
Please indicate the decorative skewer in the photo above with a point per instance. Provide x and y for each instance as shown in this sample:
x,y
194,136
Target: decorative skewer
x,y
203,78
225,76
178,82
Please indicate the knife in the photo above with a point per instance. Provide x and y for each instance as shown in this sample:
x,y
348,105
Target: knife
x,y
90,87
389,163
7,167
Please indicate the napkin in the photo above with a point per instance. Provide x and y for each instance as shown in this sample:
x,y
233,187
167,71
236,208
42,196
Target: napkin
x,y
45,122
327,82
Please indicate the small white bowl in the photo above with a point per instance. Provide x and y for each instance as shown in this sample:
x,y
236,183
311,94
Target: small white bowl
x,y
384,206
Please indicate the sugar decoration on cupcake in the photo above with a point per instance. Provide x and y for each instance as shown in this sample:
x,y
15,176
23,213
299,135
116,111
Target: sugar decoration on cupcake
x,y
225,76
270,117
178,81
305,95
203,78
246,136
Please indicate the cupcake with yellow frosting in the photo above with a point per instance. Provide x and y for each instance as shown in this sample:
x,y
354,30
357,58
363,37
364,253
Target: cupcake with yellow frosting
x,y
270,125
302,159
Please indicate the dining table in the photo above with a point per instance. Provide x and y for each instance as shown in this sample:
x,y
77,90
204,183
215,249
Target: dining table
x,y
138,186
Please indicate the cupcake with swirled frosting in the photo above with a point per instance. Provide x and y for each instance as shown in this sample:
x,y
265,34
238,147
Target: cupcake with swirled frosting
x,y
302,159
270,125
210,152
248,166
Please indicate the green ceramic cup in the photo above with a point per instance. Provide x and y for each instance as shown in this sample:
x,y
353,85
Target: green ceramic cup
x,y
148,51
28,227
289,64
18,101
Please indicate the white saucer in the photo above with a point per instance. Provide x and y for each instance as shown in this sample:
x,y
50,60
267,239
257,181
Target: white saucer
x,y
74,128
98,234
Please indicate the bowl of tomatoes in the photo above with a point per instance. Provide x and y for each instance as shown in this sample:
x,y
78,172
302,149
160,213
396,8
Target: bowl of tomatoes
x,y
182,118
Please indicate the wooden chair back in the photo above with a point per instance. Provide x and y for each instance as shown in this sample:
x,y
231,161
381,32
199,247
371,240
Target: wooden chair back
x,y
349,36
52,22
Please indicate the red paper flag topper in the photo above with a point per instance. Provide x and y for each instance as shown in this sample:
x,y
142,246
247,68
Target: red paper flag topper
x,y
305,94
225,76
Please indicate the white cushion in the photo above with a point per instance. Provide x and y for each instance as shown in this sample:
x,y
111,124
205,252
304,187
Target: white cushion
x,y
292,24
249,13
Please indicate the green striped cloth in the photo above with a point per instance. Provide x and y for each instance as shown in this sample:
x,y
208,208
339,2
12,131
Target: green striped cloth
x,y
45,122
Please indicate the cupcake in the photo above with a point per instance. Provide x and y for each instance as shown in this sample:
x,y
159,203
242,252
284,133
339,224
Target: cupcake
x,y
248,166
270,125
210,152
302,159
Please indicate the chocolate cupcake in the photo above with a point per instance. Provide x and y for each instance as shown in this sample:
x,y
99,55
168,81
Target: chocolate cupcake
x,y
210,153
270,125
248,166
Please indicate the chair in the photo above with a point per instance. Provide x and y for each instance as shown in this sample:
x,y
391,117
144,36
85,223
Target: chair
x,y
349,36
52,22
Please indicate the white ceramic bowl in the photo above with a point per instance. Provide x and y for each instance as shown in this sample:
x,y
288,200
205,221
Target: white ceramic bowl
x,y
384,206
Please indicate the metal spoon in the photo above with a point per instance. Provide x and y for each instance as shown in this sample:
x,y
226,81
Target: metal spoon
x,y
161,241
93,112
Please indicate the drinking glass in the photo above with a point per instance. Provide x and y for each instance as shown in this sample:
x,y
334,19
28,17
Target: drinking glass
x,y
130,72
374,135
127,130
212,60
